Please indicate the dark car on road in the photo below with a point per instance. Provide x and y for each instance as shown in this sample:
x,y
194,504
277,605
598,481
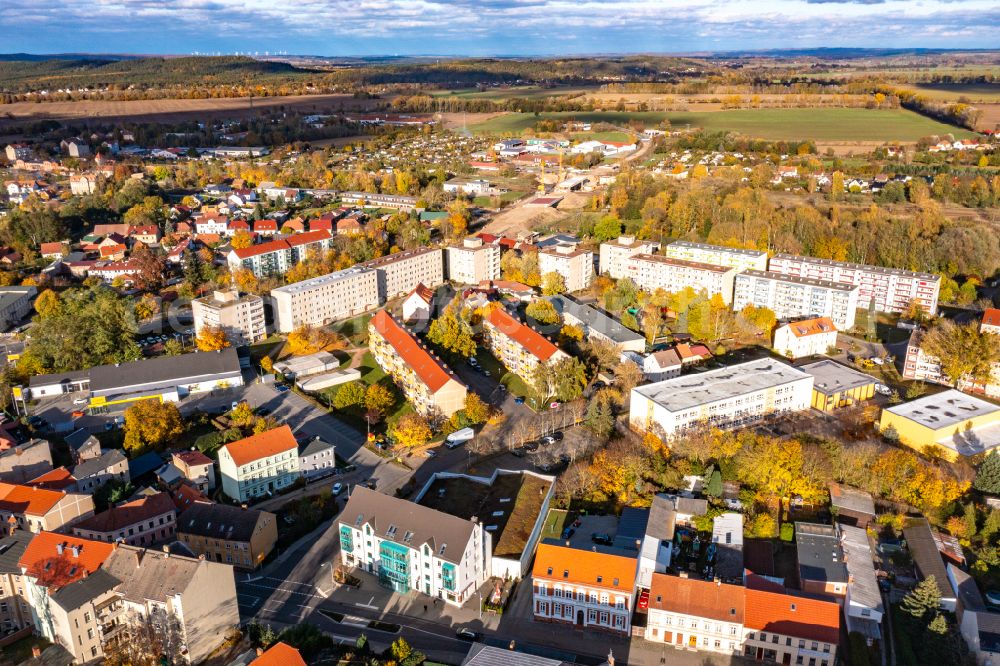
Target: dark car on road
x,y
601,539
467,635
568,532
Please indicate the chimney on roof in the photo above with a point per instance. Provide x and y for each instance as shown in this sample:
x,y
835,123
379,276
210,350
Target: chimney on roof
x,y
166,550
76,550
36,651
138,557
59,548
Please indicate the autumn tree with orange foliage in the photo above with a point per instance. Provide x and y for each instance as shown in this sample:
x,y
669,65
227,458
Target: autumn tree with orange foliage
x,y
211,338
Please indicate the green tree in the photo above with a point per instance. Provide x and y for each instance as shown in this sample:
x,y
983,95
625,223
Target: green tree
x,y
349,395
553,283
607,228
600,416
543,312
924,599
173,347
451,333
962,351
569,378
988,474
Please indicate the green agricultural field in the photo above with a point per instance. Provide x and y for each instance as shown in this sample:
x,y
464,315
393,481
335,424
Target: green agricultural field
x,y
816,124
524,92
976,92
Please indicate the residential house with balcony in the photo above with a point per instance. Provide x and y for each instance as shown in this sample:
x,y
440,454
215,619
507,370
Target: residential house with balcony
x,y
587,589
426,381
615,255
241,317
574,264
408,546
275,257
520,348
15,610
260,464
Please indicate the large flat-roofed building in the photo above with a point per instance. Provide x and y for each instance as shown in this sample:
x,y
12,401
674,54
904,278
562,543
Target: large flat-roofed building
x,y
598,325
652,272
735,257
413,547
321,300
791,297
427,382
275,257
15,304
375,200
473,261
520,348
955,423
728,397
615,254
400,273
240,316
836,385
820,559
892,289
574,264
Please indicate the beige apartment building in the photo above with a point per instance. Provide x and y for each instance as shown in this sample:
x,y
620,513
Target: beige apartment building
x,y
791,297
15,611
652,272
520,348
324,299
735,257
228,534
427,382
40,509
241,317
400,273
575,265
615,255
473,261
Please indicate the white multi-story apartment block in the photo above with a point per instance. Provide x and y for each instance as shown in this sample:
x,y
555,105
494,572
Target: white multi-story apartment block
x,y
575,265
260,464
723,398
427,383
807,337
791,297
411,547
587,589
277,256
401,272
473,261
520,348
892,289
615,255
241,317
739,258
653,271
327,298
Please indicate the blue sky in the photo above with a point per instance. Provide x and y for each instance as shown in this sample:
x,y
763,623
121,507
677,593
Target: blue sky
x,y
489,27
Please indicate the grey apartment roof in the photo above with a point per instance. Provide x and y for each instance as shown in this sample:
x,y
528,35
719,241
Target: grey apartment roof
x,y
595,320
830,377
860,567
447,535
76,439
83,590
93,466
322,280
219,521
820,554
681,393
863,267
485,655
660,259
662,518
166,370
150,575
556,239
794,279
927,557
314,446
380,262
966,589
11,549
719,248
944,409
851,499
9,297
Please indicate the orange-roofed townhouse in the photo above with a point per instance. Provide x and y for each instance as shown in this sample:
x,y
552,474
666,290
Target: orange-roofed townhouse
x,y
587,589
279,654
520,348
69,592
260,464
148,234
40,509
695,614
808,337
789,629
425,380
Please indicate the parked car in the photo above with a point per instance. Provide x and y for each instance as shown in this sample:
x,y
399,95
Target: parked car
x,y
876,360
568,532
992,597
601,539
430,453
281,388
467,634
79,401
548,439
337,488
557,435
518,452
518,401
883,389
530,446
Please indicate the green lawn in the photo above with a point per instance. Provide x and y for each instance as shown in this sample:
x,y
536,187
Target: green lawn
x,y
486,202
554,523
356,330
979,92
817,124
620,137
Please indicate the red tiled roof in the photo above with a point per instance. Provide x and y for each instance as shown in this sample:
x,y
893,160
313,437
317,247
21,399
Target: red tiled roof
x,y
239,225
431,371
185,495
701,598
817,326
111,250
584,567
788,615
282,244
523,335
193,458
308,237
262,445
279,654
424,292
265,225
129,513
991,317
27,499
321,224
53,569
59,478
52,248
